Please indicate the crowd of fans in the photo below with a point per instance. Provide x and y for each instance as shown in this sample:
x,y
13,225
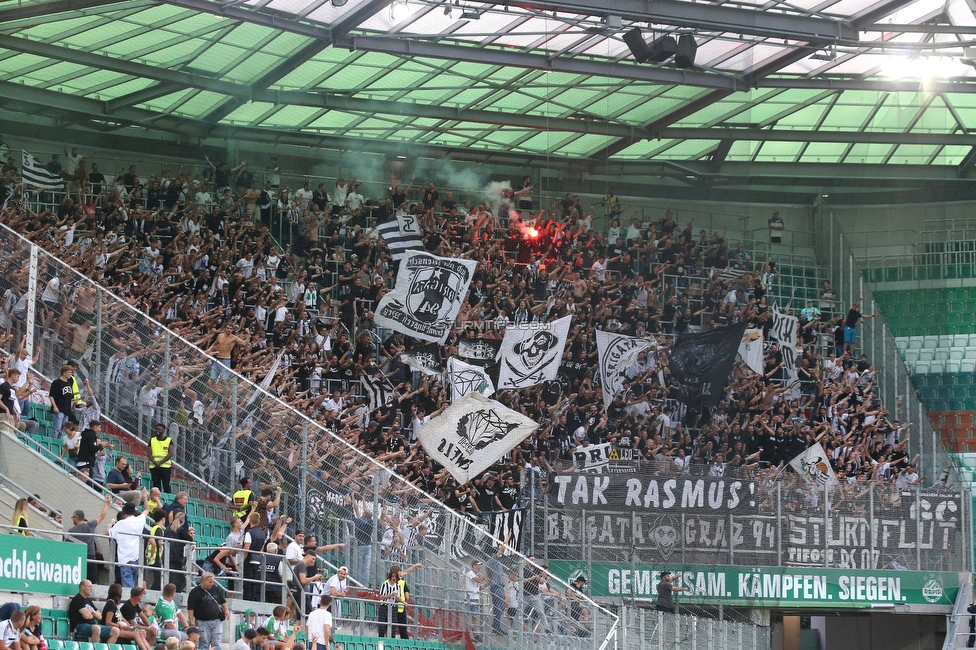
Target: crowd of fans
x,y
196,253
209,269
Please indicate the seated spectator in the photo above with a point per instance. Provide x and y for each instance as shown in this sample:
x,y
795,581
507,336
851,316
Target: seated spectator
x,y
121,482
250,641
138,616
111,617
169,617
32,636
84,618
18,518
278,627
11,630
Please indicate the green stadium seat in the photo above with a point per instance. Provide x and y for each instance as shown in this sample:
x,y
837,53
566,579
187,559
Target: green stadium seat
x,y
52,643
101,646
86,645
71,645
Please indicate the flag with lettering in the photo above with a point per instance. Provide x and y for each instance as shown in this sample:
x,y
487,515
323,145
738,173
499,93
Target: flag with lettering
x,y
783,331
472,434
616,353
427,297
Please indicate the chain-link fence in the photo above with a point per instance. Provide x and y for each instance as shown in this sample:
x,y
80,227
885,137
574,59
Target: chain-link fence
x,y
225,428
894,383
645,629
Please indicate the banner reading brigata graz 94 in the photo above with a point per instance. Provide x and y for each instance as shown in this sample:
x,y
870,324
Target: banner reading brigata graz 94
x,y
743,521
766,587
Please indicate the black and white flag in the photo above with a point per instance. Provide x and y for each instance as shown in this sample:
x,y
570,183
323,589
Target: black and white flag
x,y
751,350
531,355
402,234
701,364
379,391
813,465
426,359
783,332
480,352
615,351
472,434
427,297
38,175
464,378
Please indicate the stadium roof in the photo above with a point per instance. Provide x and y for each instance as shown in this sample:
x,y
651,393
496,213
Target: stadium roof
x,y
804,81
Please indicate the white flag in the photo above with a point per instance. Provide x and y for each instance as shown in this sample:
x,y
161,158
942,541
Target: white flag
x,y
472,434
783,332
613,350
751,350
463,378
427,297
814,466
531,355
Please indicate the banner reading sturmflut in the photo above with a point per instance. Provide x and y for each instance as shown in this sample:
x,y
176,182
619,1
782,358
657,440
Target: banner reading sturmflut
x,y
427,297
613,351
473,433
531,355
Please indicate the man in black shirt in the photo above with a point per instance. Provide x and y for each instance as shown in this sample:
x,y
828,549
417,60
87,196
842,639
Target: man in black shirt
x,y
83,617
61,393
850,326
665,603
207,609
508,496
131,611
487,495
272,573
89,446
254,540
8,394
96,178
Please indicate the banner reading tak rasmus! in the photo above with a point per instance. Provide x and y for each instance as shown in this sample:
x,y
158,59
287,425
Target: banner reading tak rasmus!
x,y
41,566
769,587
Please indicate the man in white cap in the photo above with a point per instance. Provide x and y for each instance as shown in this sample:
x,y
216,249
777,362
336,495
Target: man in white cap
x,y
337,586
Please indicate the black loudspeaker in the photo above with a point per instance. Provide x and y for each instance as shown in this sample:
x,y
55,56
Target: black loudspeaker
x,y
684,56
638,46
662,49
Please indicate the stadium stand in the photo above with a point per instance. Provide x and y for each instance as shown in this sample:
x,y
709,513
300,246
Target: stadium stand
x,y
297,315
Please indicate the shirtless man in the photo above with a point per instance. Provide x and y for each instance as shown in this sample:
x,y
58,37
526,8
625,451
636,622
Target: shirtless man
x,y
251,196
223,347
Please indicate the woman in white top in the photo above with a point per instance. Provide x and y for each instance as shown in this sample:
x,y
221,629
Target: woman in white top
x,y
72,441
